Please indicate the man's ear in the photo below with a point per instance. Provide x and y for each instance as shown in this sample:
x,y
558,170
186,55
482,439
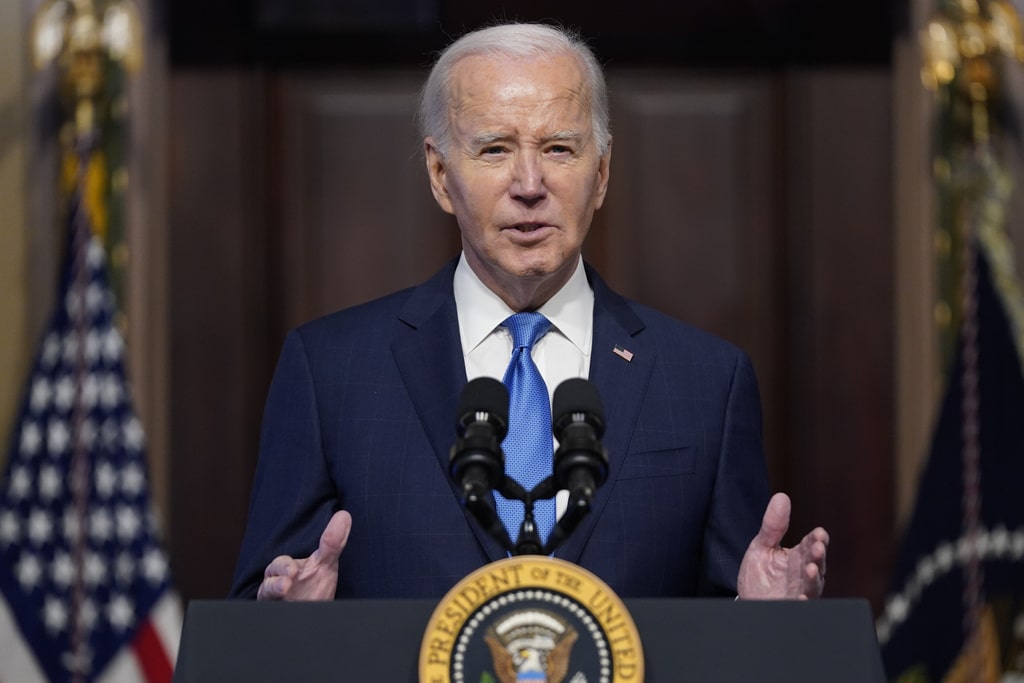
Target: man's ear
x,y
437,170
604,170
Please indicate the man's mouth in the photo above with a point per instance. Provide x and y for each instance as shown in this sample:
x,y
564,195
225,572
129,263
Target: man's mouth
x,y
527,227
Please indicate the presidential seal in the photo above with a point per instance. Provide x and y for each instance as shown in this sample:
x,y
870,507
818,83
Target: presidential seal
x,y
531,619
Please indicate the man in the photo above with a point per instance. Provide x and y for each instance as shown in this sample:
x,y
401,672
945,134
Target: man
x,y
358,422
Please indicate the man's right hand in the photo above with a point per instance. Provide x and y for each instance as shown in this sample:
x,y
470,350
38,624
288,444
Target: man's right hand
x,y
311,578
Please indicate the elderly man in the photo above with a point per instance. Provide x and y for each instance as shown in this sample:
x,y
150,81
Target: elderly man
x,y
358,422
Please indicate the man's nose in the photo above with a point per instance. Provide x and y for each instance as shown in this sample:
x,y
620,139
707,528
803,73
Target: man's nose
x,y
528,180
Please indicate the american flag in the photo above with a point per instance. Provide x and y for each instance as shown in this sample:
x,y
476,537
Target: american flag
x,y
85,591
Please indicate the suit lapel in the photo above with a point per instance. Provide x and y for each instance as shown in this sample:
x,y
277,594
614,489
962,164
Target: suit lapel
x,y
621,384
428,352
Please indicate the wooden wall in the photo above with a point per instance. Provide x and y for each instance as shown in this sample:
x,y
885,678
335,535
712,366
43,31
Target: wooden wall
x,y
755,204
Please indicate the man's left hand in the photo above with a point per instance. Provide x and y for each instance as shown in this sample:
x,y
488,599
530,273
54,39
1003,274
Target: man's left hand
x,y
769,571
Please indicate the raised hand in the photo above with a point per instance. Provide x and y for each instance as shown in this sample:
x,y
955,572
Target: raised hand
x,y
769,571
311,578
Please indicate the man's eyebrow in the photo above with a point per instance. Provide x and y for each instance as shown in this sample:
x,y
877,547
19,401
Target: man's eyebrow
x,y
484,139
571,135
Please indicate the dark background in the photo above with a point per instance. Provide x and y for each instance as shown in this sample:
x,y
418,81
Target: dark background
x,y
694,32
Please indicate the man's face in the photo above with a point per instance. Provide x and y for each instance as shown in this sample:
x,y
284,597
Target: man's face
x,y
523,176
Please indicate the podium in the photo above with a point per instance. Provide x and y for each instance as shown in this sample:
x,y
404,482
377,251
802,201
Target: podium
x,y
699,639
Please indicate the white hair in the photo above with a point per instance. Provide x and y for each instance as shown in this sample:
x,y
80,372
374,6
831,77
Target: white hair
x,y
517,41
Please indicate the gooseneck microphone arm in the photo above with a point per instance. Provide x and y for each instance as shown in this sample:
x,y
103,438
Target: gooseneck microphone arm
x,y
477,463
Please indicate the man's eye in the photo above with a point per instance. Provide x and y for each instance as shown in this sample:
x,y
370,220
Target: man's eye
x,y
493,149
560,149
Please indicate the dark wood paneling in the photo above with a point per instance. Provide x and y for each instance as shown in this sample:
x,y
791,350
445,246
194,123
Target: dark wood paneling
x,y
219,355
357,217
693,221
841,236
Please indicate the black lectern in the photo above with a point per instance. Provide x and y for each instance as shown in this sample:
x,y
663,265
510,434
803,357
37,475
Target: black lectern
x,y
683,639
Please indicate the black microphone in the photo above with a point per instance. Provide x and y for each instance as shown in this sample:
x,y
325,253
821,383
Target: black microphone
x,y
476,462
581,461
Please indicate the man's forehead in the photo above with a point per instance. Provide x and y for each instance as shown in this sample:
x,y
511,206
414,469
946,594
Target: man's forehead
x,y
510,78
490,94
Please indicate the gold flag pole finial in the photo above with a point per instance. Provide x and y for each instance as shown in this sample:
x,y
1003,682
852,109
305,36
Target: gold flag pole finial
x,y
80,37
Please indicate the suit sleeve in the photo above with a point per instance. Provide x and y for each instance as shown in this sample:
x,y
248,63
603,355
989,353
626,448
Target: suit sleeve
x,y
741,490
293,495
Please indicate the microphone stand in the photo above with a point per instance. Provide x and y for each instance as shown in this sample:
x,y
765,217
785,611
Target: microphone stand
x,y
528,541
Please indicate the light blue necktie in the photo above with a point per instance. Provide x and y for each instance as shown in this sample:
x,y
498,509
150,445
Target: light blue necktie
x,y
528,446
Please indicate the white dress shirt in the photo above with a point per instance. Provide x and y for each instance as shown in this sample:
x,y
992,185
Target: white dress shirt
x,y
561,354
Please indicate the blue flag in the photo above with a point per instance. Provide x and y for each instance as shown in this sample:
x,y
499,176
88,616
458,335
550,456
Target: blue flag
x,y
945,577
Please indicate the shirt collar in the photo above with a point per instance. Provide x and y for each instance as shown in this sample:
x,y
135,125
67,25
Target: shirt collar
x,y
481,311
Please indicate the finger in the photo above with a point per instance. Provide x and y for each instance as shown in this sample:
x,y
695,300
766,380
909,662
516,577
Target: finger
x,y
814,582
282,565
334,537
274,588
775,522
814,548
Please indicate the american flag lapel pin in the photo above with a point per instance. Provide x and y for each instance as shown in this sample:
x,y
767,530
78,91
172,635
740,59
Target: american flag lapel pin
x,y
623,353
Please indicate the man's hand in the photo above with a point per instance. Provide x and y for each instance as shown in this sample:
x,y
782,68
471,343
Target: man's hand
x,y
769,571
311,578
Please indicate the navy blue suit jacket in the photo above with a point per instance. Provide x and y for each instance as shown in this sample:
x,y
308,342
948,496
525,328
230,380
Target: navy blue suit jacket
x,y
360,416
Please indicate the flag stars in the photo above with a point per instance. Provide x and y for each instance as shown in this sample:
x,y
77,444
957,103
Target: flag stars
x,y
51,351
55,614
92,347
10,528
29,571
154,566
31,439
101,526
57,437
20,484
50,483
133,481
134,439
121,613
106,480
64,394
78,662
40,394
128,523
94,298
111,391
62,570
113,345
40,527
70,350
94,571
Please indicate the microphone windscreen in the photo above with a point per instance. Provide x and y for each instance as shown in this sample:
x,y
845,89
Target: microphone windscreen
x,y
576,396
483,395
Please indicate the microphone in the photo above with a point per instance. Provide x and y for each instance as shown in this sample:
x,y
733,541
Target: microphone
x,y
476,461
581,461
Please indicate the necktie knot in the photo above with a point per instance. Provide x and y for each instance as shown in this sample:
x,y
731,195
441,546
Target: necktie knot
x,y
526,328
